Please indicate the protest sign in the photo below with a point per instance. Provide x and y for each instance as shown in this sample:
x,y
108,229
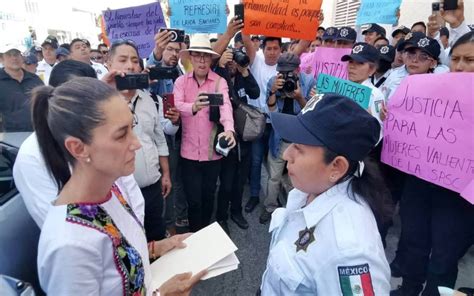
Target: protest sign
x,y
378,11
282,18
429,130
138,23
325,60
355,91
198,16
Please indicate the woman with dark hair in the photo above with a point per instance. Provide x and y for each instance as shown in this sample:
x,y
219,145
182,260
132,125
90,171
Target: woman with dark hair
x,y
437,223
92,242
462,54
325,242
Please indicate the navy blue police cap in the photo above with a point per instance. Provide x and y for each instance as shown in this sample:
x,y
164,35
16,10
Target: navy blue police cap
x,y
362,52
330,33
332,121
346,34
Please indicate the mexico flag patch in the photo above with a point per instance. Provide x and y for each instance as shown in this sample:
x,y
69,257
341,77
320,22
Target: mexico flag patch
x,y
355,280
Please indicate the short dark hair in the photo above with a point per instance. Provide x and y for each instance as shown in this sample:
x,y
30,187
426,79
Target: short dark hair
x,y
213,40
69,69
102,45
419,24
121,42
79,40
269,39
66,46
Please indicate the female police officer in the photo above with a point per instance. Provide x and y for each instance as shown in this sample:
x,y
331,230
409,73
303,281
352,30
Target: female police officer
x,y
325,242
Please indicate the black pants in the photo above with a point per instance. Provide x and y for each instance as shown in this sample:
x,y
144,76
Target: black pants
x,y
154,223
234,174
435,221
199,181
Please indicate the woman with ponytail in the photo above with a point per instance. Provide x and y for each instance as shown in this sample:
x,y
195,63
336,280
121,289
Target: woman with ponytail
x,y
326,242
92,241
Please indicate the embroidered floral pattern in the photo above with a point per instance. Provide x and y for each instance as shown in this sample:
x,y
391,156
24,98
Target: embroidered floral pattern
x,y
127,259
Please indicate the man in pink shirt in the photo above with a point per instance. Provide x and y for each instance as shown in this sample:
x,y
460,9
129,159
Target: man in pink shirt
x,y
201,163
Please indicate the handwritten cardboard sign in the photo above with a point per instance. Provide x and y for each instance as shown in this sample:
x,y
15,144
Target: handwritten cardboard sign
x,y
282,18
355,91
378,11
429,130
199,16
138,23
325,60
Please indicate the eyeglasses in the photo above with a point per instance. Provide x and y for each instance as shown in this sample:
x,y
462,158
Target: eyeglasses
x,y
205,57
422,57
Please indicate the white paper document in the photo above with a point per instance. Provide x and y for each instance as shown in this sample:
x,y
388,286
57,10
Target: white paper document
x,y
210,249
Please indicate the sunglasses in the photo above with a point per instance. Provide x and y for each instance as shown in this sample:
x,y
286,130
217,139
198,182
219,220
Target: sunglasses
x,y
96,58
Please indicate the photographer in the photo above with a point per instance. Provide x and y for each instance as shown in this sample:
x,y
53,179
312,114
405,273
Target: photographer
x,y
233,67
151,163
166,55
288,93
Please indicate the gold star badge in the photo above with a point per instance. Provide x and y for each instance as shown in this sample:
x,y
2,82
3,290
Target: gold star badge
x,y
306,237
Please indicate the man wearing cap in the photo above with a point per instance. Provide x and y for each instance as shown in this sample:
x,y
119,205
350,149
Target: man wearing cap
x,y
329,37
81,51
362,63
287,101
256,42
325,241
263,67
346,37
16,85
399,33
373,32
200,128
48,49
62,54
30,63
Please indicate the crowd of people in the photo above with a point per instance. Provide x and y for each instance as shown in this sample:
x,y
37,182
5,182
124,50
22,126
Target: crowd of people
x,y
109,174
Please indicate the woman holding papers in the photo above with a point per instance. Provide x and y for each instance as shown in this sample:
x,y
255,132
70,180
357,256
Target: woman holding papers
x,y
92,242
326,242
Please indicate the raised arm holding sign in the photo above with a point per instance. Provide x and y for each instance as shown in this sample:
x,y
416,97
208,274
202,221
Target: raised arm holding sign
x,y
138,23
297,19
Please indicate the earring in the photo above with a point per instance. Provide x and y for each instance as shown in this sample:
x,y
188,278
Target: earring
x,y
332,178
88,160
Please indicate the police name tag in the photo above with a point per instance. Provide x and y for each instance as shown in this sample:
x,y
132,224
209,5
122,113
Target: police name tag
x,y
355,280
306,237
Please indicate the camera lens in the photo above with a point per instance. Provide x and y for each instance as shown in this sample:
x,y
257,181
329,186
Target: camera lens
x,y
174,36
290,82
241,58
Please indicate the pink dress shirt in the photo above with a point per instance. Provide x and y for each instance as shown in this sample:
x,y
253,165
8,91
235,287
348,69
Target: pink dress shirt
x,y
196,129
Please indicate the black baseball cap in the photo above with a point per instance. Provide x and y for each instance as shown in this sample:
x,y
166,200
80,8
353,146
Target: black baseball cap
x,y
387,53
401,29
330,33
346,34
51,40
332,121
421,41
288,62
375,28
31,59
362,52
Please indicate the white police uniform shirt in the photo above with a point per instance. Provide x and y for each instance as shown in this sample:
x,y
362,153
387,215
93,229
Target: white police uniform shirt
x,y
376,100
99,69
346,256
44,71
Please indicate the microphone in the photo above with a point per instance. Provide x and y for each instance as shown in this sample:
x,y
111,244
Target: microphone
x,y
222,147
